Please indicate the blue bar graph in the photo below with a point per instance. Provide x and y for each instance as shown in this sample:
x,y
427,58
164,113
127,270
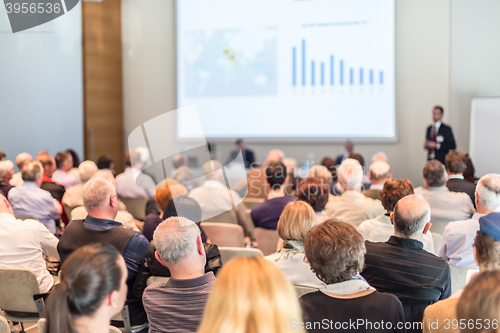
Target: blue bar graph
x,y
303,62
371,76
351,72
312,72
294,77
322,73
361,76
331,70
381,77
341,72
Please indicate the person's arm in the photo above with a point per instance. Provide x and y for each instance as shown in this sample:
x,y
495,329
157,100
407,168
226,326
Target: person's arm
x,y
48,242
144,273
134,254
446,292
448,140
59,208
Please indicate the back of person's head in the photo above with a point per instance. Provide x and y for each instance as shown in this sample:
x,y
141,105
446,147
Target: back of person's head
x,y
434,173
291,164
31,171
61,158
89,276
455,162
179,160
251,295
359,158
104,162
2,155
470,171
296,220
393,191
380,156
487,242
212,170
380,171
45,159
6,168
97,193
411,214
276,175
488,192
23,158
314,192
274,156
321,172
335,250
480,303
175,239
86,170
183,206
74,157
104,174
350,174
166,190
331,165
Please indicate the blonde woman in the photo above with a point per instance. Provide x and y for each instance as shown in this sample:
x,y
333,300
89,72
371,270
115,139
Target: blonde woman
x,y
295,221
251,295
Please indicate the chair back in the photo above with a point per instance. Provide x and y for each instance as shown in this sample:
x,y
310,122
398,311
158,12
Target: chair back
x,y
224,234
67,211
17,288
458,278
228,253
27,218
250,203
78,213
300,290
42,323
437,239
438,227
112,329
267,240
136,207
153,279
226,217
4,326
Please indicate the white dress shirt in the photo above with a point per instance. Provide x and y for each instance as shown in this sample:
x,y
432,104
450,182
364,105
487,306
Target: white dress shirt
x,y
458,240
380,229
353,207
23,244
65,179
128,187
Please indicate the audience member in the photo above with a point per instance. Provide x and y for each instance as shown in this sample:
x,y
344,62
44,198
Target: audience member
x,y
316,193
73,197
177,306
455,165
486,256
76,163
49,166
182,173
21,159
2,155
256,184
379,157
133,183
331,165
267,214
101,203
29,200
165,192
215,198
348,151
470,171
23,244
6,173
251,295
379,173
458,236
418,278
366,181
293,178
479,304
352,206
381,229
439,138
105,162
64,163
247,154
335,251
297,219
91,292
445,205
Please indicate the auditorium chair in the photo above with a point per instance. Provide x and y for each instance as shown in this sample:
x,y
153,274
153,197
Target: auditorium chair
x,y
250,203
42,323
4,326
267,240
438,239
136,207
224,234
228,253
300,290
226,217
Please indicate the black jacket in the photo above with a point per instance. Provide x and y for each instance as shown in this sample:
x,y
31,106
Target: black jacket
x,y
447,144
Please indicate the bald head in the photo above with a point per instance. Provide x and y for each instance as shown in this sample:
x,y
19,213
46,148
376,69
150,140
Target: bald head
x,y
97,195
104,174
212,170
86,170
411,215
23,158
275,156
179,160
379,172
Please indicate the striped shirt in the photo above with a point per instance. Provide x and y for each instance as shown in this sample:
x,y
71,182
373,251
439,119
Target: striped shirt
x,y
177,306
403,268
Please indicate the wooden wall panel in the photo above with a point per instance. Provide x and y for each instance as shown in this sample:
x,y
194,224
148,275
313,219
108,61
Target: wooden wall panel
x,y
102,80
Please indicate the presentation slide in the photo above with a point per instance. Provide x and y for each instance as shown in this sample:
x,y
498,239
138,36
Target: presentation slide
x,y
287,68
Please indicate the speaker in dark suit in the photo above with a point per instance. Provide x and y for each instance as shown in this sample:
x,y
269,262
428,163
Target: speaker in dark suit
x,y
456,165
248,154
439,137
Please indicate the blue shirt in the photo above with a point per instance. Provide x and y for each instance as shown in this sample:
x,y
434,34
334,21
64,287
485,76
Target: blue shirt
x,y
29,200
267,214
136,248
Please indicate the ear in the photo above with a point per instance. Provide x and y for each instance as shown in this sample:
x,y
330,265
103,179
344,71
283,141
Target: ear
x,y
476,198
368,174
427,227
392,218
199,246
425,184
157,256
112,299
446,174
389,176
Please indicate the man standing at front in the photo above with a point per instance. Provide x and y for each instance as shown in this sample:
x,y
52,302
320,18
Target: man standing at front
x,y
439,139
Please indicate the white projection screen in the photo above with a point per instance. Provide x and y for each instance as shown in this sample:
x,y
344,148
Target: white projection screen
x,y
287,69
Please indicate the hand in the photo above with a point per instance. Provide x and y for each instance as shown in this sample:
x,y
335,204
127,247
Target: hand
x,y
430,144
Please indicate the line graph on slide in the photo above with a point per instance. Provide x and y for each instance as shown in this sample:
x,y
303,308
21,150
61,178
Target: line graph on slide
x,y
332,71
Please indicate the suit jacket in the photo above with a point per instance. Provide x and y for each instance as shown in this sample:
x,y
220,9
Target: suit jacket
x,y
248,157
374,194
460,185
446,206
447,144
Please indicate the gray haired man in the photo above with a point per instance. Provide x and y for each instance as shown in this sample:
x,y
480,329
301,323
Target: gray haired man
x,y
177,306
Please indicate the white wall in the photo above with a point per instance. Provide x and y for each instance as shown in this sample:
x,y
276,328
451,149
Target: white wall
x,y
423,48
41,86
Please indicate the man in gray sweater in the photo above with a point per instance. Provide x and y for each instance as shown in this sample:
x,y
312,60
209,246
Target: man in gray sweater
x,y
177,306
